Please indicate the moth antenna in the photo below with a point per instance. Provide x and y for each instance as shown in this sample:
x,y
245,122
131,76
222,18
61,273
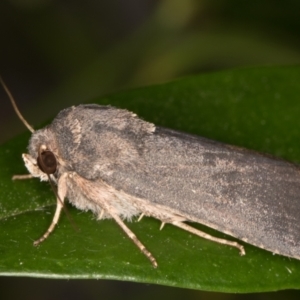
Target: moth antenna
x,y
13,102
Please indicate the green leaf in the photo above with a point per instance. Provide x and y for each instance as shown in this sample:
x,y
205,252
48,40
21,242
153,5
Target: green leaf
x,y
255,108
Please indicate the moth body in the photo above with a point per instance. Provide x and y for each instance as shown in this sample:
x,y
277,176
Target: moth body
x,y
111,162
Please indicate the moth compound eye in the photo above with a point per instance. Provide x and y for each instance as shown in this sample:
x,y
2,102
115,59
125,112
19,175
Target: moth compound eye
x,y
47,162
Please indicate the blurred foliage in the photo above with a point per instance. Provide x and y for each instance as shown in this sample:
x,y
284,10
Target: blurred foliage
x,y
58,53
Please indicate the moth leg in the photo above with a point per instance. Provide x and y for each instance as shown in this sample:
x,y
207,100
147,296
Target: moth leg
x,y
22,177
162,225
101,215
141,217
52,225
209,237
101,189
133,237
61,192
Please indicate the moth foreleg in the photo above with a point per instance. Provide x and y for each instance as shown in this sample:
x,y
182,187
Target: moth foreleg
x,y
52,225
61,192
209,237
133,237
22,177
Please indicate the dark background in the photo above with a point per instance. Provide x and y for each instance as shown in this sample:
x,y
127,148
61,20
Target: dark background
x,y
58,53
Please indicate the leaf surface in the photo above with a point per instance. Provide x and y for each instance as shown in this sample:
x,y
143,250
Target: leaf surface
x,y
255,108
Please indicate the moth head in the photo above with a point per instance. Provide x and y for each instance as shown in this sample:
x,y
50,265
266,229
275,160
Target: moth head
x,y
42,166
43,159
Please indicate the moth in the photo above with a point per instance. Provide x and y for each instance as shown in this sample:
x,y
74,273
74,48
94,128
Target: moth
x,y
111,162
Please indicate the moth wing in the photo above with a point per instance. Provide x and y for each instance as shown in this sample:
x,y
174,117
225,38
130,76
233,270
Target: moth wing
x,y
248,195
